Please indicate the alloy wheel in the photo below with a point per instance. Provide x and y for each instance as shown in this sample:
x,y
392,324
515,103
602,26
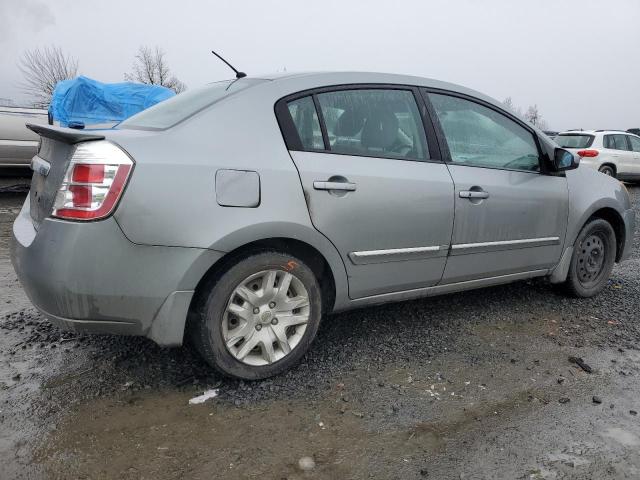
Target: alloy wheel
x,y
266,317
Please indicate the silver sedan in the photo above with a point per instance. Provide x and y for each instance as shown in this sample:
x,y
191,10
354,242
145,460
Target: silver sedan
x,y
238,214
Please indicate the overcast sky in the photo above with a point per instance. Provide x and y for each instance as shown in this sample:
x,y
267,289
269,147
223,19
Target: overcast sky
x,y
578,60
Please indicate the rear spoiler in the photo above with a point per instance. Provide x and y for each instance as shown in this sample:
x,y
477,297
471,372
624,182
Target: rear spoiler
x,y
66,135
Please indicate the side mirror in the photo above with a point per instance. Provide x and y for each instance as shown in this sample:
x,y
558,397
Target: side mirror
x,y
564,160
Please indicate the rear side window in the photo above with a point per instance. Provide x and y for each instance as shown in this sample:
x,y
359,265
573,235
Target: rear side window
x,y
374,122
305,118
574,140
481,137
635,144
616,142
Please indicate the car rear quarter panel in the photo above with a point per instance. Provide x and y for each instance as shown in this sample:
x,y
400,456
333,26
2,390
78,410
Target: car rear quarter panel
x,y
171,198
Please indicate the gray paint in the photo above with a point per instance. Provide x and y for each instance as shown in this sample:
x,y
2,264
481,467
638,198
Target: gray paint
x,y
237,188
92,272
397,204
168,325
140,267
522,205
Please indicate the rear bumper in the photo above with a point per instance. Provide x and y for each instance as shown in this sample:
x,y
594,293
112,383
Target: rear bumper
x,y
89,277
629,218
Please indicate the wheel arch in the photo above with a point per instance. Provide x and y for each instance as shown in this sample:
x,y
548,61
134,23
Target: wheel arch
x,y
298,240
609,164
297,248
611,216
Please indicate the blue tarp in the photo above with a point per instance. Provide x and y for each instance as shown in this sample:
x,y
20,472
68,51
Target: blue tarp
x,y
91,102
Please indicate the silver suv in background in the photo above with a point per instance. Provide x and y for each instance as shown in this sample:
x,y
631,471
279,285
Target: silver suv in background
x,y
240,213
612,152
18,144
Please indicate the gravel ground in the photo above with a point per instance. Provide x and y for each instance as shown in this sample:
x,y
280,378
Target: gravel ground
x,y
471,385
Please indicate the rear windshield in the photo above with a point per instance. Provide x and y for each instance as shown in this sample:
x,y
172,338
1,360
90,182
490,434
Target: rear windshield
x,y
574,140
172,111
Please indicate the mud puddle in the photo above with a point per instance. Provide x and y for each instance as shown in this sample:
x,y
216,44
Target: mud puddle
x,y
445,418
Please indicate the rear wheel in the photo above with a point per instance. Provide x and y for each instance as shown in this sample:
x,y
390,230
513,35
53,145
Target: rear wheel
x,y
607,170
593,258
259,317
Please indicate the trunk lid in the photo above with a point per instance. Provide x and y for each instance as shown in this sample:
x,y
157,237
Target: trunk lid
x,y
50,165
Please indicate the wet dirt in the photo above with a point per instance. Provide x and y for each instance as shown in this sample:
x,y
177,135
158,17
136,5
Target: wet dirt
x,y
462,386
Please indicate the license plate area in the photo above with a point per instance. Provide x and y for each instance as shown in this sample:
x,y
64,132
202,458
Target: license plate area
x,y
36,199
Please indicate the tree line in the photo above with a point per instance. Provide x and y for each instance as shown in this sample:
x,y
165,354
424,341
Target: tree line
x,y
43,68
532,115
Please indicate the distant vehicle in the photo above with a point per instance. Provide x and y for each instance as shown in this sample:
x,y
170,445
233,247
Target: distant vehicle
x,y
236,215
83,102
550,133
18,144
635,131
613,152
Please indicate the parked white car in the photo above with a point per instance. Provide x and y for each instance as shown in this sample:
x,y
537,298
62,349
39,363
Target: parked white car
x,y
18,144
612,152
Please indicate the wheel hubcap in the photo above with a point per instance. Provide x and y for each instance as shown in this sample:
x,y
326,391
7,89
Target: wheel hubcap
x,y
591,259
266,317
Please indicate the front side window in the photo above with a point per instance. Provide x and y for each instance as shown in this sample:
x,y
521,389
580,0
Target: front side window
x,y
374,122
305,118
481,137
635,144
616,142
574,140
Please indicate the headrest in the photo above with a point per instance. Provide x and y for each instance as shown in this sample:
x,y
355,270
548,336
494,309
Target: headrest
x,y
380,130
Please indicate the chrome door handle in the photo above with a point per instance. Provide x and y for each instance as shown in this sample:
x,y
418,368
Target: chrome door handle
x,y
345,186
473,194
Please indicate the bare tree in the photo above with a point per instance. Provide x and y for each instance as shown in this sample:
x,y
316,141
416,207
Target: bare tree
x,y
151,68
534,117
42,70
508,103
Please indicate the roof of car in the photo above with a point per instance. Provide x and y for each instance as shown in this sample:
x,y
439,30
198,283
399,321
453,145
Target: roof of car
x,y
595,132
319,79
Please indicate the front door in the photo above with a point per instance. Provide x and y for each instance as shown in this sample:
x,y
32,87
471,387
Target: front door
x,y
509,217
372,186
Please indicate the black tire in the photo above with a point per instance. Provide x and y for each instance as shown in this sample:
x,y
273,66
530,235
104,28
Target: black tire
x,y
594,254
607,170
206,329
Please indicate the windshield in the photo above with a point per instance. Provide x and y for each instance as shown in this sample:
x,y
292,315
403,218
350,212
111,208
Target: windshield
x,y
574,140
172,111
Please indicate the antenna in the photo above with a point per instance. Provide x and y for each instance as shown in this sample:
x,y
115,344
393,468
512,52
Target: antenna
x,y
238,74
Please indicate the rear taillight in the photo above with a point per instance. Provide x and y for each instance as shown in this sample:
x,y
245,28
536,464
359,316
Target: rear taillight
x,y
588,153
94,182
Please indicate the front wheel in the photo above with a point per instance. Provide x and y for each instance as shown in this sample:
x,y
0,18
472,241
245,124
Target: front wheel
x,y
259,317
593,257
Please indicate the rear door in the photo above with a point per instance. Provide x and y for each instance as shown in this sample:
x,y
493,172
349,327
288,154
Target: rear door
x,y
509,217
635,147
374,184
